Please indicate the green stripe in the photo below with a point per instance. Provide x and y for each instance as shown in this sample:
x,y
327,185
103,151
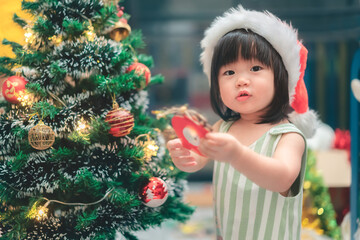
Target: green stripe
x,y
245,209
291,218
216,175
222,194
283,219
233,201
259,211
269,150
224,127
274,197
271,216
216,181
261,194
299,220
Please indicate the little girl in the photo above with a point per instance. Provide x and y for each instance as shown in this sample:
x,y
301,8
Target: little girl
x,y
255,65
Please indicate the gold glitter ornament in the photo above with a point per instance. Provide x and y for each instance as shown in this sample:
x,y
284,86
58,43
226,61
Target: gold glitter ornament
x,y
41,136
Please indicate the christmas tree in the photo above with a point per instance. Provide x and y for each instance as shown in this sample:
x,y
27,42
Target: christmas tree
x,y
81,157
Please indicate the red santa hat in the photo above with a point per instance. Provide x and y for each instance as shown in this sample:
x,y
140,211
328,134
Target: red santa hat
x,y
284,38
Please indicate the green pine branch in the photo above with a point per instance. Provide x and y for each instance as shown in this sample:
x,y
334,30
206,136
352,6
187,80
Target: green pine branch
x,y
22,23
18,161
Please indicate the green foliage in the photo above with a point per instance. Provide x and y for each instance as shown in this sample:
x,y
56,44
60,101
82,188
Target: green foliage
x,y
19,132
31,6
173,208
85,220
22,23
157,79
57,72
321,199
73,28
15,46
85,182
129,236
43,28
121,197
18,161
135,40
119,84
44,109
16,218
61,154
106,17
79,137
35,59
147,60
99,131
36,89
124,58
6,71
6,64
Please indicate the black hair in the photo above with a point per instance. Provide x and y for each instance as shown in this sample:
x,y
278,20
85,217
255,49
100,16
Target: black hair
x,y
250,46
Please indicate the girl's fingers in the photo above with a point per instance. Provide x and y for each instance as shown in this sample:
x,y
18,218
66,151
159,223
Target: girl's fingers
x,y
175,143
184,161
189,164
179,152
207,150
214,139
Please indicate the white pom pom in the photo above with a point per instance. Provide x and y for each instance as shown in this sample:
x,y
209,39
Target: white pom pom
x,y
307,122
323,138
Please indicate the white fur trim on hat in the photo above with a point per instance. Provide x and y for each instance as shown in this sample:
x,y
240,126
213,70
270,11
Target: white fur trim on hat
x,y
281,36
307,122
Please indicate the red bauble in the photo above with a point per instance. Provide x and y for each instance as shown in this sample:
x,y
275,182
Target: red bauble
x,y
140,69
121,122
155,193
12,87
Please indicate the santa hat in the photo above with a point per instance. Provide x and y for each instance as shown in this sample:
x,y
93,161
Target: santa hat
x,y
284,39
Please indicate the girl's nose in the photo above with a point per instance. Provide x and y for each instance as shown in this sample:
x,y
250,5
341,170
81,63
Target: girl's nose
x,y
242,81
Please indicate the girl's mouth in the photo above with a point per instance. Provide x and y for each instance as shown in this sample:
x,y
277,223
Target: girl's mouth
x,y
242,96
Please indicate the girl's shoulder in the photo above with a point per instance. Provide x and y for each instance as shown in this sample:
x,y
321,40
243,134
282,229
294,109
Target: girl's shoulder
x,y
285,127
222,126
216,127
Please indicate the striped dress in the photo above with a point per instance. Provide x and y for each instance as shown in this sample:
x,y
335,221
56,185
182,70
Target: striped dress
x,y
245,211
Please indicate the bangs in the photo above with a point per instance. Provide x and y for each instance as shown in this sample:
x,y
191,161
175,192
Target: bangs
x,y
245,44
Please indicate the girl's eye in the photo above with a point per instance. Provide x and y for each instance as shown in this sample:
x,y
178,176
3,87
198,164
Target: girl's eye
x,y
256,68
229,72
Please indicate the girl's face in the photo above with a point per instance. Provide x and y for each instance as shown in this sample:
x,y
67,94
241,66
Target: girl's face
x,y
246,87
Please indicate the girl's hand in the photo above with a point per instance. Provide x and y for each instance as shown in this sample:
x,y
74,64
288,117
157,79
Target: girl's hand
x,y
183,158
222,147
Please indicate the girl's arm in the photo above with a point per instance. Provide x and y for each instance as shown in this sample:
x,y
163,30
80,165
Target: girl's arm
x,y
275,173
184,159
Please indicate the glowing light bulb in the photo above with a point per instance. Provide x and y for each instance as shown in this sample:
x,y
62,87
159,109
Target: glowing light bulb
x,y
320,211
42,213
90,35
26,99
81,126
